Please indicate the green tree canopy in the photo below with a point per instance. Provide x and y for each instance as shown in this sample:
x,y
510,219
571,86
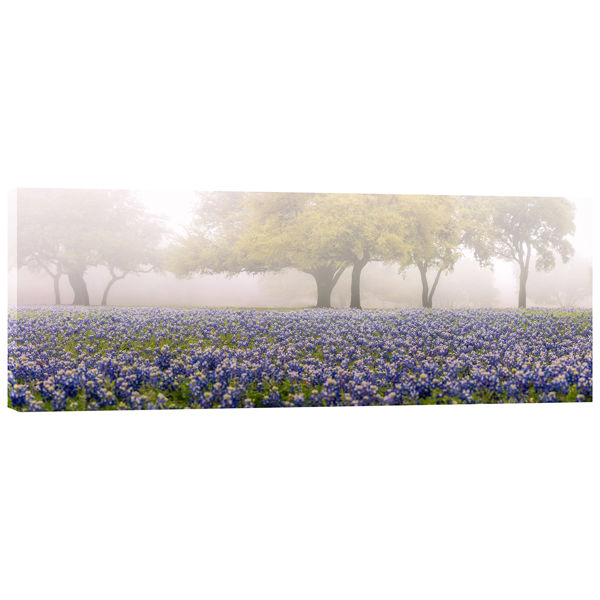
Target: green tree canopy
x,y
432,236
347,229
254,233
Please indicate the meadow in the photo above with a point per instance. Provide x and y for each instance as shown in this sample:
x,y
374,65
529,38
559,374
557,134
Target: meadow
x,y
70,358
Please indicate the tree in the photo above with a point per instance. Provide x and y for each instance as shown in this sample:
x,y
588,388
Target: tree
x,y
355,229
515,229
64,232
255,233
432,236
51,236
320,234
282,234
291,231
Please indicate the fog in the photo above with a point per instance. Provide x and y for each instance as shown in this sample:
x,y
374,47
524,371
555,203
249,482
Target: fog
x,y
382,285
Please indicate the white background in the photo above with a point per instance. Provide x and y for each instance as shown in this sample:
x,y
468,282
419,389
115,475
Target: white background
x,y
416,502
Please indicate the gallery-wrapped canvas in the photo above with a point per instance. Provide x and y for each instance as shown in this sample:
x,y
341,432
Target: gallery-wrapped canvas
x,y
148,300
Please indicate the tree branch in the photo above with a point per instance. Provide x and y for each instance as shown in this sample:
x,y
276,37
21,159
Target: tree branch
x,y
338,274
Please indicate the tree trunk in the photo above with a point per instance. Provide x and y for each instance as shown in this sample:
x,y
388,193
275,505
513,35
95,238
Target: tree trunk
x,y
107,289
425,299
523,289
357,268
326,278
523,274
56,288
324,288
433,288
55,279
80,291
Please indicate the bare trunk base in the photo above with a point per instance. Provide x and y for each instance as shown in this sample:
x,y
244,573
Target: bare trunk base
x,y
523,292
357,268
80,292
325,277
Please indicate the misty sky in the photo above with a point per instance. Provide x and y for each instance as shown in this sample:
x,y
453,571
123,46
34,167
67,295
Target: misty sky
x,y
176,207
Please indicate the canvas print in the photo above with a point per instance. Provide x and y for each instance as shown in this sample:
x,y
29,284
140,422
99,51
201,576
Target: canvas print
x,y
127,300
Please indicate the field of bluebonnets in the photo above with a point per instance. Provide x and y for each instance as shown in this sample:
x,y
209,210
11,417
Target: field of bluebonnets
x,y
156,358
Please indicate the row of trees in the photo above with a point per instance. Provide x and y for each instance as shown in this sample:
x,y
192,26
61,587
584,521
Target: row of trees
x,y
63,233
324,234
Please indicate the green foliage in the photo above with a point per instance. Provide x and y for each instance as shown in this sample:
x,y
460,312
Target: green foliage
x,y
259,232
322,234
433,236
